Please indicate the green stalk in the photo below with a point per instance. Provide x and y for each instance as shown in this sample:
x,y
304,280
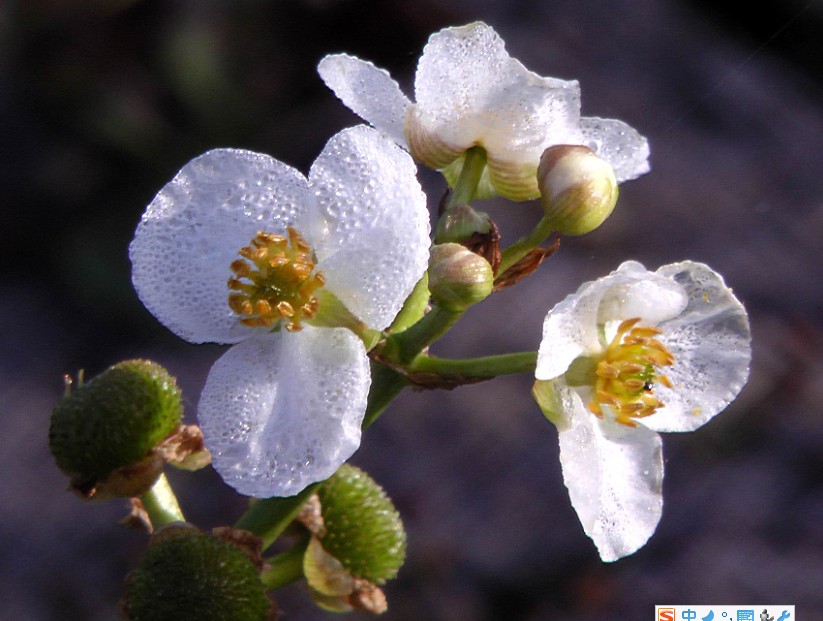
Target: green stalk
x,y
386,384
522,246
472,369
413,330
269,517
474,161
161,504
284,568
402,348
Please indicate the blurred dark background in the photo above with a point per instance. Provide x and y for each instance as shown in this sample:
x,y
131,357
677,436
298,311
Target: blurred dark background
x,y
102,101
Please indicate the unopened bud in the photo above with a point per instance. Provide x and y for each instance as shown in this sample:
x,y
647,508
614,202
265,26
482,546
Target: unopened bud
x,y
188,574
103,432
460,223
458,277
577,188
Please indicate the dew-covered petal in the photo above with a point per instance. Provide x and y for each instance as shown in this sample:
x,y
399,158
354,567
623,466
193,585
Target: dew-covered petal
x,y
617,143
569,331
283,410
193,229
429,146
711,343
469,92
614,475
513,173
633,291
368,91
571,328
377,225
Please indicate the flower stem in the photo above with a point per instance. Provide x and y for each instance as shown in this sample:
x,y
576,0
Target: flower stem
x,y
161,504
522,246
284,568
404,347
470,369
386,384
269,517
474,161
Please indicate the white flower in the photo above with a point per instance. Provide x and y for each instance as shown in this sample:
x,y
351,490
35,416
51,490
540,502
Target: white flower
x,y
282,408
628,355
470,92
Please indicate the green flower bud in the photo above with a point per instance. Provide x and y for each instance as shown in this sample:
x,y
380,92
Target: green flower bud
x,y
363,530
103,432
577,188
459,223
458,277
189,575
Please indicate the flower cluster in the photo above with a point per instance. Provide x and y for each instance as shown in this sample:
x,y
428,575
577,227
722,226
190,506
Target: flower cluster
x,y
329,291
303,277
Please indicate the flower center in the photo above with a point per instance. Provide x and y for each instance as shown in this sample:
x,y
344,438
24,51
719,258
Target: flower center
x,y
274,282
628,371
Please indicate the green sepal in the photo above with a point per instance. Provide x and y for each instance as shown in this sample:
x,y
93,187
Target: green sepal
x,y
326,575
545,394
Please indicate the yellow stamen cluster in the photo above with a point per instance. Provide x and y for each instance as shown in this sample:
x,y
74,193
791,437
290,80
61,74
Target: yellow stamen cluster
x,y
274,282
627,372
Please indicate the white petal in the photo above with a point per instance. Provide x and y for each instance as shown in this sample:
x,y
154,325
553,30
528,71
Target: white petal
x,y
428,145
615,476
632,291
192,230
570,329
617,143
469,91
283,410
368,91
376,247
711,342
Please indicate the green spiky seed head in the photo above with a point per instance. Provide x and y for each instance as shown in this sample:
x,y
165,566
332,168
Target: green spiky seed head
x,y
189,575
114,420
363,529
